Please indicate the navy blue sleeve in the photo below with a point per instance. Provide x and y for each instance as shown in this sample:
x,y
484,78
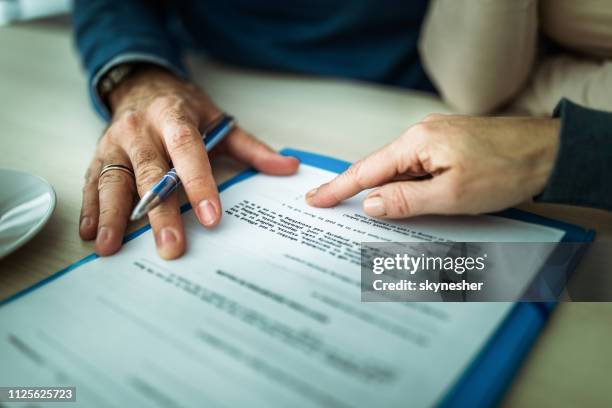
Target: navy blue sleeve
x,y
110,32
582,171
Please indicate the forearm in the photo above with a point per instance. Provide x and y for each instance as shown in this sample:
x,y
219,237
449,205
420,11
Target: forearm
x,y
479,54
109,32
587,82
583,167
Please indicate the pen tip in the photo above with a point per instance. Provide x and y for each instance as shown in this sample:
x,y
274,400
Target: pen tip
x,y
135,216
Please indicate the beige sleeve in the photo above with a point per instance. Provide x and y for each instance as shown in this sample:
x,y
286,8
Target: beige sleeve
x,y
585,81
479,54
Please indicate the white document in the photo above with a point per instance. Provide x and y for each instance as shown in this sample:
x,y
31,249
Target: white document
x,y
264,311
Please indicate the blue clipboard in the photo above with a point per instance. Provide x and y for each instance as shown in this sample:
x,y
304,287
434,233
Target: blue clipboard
x,y
490,373
485,380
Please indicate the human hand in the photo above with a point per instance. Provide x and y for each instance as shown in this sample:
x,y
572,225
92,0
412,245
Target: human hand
x,y
451,165
157,118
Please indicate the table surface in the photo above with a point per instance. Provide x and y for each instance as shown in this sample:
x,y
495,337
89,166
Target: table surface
x,y
48,128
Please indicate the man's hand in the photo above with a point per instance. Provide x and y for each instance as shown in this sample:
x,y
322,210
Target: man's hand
x,y
451,165
157,118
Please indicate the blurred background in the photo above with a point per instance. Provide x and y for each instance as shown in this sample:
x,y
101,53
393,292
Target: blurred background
x,y
13,10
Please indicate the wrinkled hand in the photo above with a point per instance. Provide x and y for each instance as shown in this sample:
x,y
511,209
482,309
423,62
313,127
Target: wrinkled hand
x,y
157,118
451,165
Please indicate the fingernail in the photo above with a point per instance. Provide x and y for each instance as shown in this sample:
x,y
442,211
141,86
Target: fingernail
x,y
167,237
168,244
374,206
104,234
85,223
207,213
312,192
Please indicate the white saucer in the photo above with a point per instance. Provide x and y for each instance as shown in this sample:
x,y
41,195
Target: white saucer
x,y
26,204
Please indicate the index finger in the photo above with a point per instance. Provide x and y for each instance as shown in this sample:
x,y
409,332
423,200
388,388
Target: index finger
x,y
371,171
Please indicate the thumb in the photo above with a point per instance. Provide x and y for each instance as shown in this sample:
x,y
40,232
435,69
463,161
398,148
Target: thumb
x,y
250,150
405,199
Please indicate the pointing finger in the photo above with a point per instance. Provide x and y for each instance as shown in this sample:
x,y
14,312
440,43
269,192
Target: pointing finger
x,y
375,169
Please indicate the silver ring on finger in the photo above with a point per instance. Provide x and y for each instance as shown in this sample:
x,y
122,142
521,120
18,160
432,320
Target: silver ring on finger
x,y
119,167
115,167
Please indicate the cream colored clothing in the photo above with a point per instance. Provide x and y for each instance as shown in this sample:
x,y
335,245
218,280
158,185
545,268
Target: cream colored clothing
x,y
481,54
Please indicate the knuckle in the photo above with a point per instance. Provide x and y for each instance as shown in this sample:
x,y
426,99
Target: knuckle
x,y
196,182
88,205
356,174
179,113
417,134
423,129
130,121
180,138
149,175
112,178
127,123
110,134
399,201
144,156
426,161
166,101
405,143
165,211
109,212
172,107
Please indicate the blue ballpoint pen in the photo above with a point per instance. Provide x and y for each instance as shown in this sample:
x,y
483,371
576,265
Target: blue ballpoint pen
x,y
160,191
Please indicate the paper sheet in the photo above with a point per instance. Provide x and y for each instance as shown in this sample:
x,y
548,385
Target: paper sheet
x,y
264,311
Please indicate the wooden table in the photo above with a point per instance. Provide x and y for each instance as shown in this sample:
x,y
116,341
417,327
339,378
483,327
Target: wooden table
x,y
48,128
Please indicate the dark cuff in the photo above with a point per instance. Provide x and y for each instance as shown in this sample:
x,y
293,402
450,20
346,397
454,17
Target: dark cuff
x,y
583,167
